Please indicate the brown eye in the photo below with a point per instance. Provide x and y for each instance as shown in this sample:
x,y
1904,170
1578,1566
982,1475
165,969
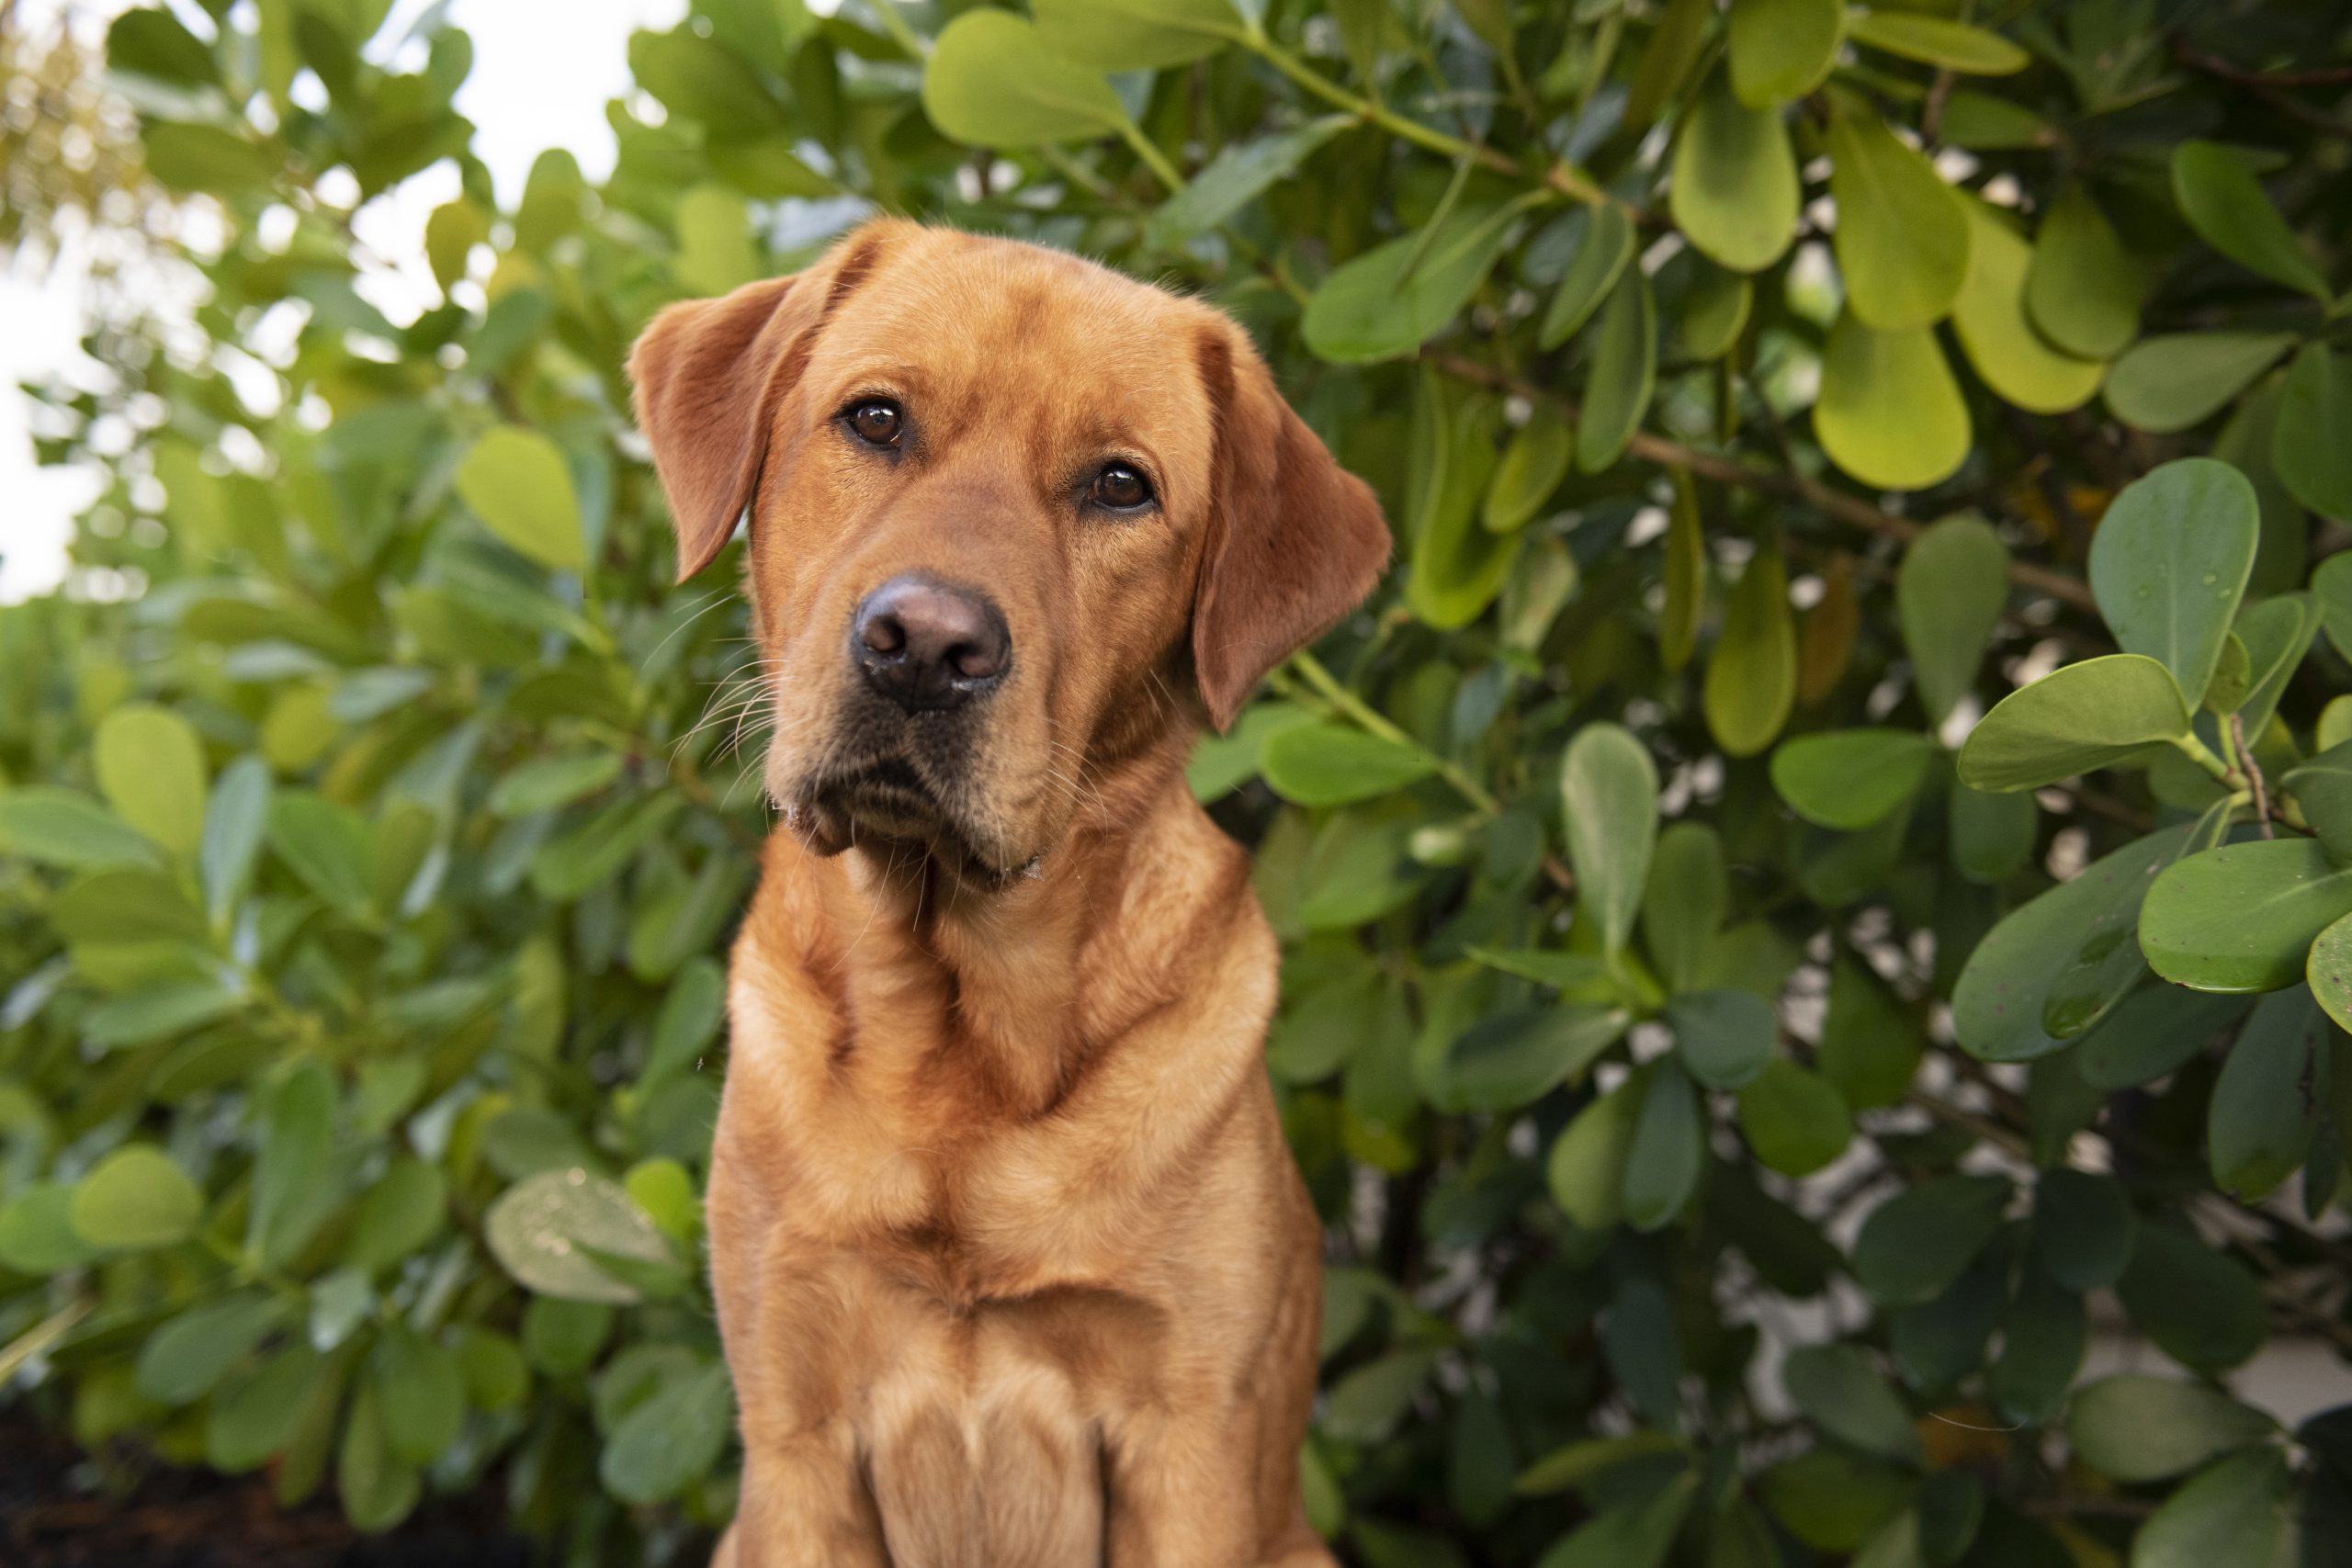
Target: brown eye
x,y
1120,487
877,424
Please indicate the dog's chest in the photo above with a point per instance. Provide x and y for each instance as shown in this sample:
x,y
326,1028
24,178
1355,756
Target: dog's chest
x,y
981,1449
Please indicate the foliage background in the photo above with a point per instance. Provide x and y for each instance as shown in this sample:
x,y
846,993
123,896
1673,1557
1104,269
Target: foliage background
x,y
370,842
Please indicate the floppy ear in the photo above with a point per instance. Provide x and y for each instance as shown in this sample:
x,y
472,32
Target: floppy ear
x,y
1294,541
710,374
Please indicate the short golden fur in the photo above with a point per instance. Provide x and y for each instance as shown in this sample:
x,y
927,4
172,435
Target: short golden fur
x,y
1012,1264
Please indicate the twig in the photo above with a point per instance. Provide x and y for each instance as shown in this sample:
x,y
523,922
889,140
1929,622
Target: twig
x,y
2252,774
2062,586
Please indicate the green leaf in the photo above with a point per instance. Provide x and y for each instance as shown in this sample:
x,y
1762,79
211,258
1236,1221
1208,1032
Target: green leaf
x,y
1668,1152
561,1337
1684,905
232,834
2329,972
1133,35
186,1359
2092,715
703,80
1781,49
1849,778
1397,296
1914,1246
1990,317
545,783
1751,677
1833,1499
1686,576
2169,564
2321,788
1609,803
2042,1350
1870,1046
2308,444
1335,764
1366,1405
1712,311
715,256
1673,48
134,1199
2242,917
1509,1059
296,1176
993,81
2168,383
255,1417
1991,835
1586,1170
158,1011
1560,970
400,1213
326,845
1999,1009
1532,466
1939,1342
1573,1467
543,1228
1624,373
1933,40
2199,1307
1600,259
1222,763
378,1490
1795,1121
1241,172
1457,566
516,481
1629,1535
65,827
150,766
2082,289
2152,1033
1948,594
2226,205
2134,1429
2083,1228
1724,1037
671,1439
2277,633
2272,1096
2331,586
1840,1388
1903,235
1734,192
2240,1510
420,1395
36,1234
1890,413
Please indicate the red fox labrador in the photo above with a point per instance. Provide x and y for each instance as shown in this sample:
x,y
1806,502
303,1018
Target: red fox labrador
x,y
1013,1267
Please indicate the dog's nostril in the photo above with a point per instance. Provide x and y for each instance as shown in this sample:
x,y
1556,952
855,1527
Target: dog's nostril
x,y
928,645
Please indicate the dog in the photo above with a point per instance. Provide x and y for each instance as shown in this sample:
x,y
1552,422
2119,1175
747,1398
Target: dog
x,y
1012,1263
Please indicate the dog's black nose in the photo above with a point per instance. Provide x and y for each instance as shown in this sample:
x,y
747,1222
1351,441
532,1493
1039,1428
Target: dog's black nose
x,y
927,645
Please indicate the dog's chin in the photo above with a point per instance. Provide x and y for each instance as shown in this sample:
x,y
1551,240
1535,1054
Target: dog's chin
x,y
889,811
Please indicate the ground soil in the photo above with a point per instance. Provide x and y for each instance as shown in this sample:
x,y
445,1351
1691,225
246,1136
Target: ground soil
x,y
55,1514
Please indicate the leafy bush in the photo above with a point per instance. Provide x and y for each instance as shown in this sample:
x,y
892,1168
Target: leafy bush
x,y
1734,1095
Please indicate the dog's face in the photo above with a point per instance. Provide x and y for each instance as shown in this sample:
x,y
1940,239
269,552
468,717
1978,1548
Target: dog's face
x,y
1012,517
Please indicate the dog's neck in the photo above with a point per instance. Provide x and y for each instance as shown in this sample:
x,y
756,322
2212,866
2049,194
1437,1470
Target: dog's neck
x,y
1015,985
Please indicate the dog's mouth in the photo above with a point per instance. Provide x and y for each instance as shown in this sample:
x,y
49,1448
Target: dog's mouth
x,y
888,807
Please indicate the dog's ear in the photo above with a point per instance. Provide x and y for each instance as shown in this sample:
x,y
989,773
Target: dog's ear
x,y
709,376
1294,541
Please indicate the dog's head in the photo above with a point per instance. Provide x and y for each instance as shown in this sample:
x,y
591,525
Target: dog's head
x,y
1014,519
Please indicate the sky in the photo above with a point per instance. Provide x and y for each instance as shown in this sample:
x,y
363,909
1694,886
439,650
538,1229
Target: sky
x,y
533,86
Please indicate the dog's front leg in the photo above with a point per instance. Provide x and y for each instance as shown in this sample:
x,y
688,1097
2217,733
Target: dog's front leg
x,y
1181,1490
805,1504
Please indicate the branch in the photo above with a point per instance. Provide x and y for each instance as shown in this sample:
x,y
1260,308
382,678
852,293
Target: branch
x,y
1850,510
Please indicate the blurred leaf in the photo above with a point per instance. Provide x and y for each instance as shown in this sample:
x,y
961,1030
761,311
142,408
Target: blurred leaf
x,y
2272,1096
2083,1228
1991,321
64,828
1683,906
1735,187
1533,465
543,1228
1904,236
2307,446
1837,1387
1624,373
2170,382
2199,1306
1135,35
2240,1510
1933,40
134,1199
1723,1038
1751,675
1890,413
1668,1152
1602,255
2092,715
2225,204
1847,779
2081,288
2135,1428
1609,804
516,482
1780,50
1915,1244
1796,1122
1332,764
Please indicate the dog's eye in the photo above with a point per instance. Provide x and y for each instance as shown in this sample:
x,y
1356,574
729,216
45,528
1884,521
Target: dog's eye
x,y
1121,488
875,423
